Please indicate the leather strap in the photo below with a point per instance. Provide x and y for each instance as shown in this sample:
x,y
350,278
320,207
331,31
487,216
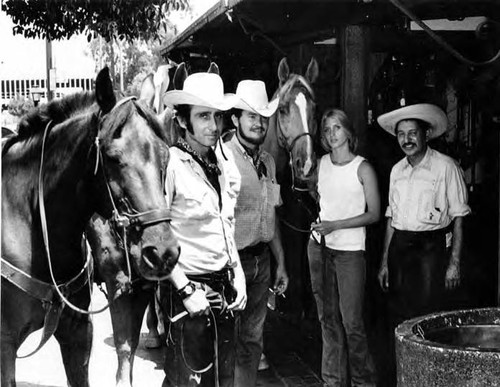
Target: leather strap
x,y
35,288
53,312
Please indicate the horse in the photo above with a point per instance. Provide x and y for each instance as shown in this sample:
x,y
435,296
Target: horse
x,y
130,295
73,157
291,140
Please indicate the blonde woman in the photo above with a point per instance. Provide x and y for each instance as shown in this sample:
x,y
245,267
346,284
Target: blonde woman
x,y
349,201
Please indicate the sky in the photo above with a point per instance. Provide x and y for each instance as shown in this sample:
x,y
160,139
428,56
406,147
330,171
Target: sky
x,y
22,58
25,58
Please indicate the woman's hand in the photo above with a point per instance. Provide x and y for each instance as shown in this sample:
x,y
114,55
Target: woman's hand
x,y
325,227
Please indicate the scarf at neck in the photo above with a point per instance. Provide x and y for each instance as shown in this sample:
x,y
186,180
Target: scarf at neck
x,y
255,154
210,167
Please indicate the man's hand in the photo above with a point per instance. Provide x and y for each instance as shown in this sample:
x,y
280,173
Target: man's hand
x,y
196,304
452,279
383,277
241,291
281,281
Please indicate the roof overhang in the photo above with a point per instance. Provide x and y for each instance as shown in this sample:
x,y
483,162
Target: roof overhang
x,y
248,25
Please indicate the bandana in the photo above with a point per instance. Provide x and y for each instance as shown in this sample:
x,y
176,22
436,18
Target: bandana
x,y
255,154
210,167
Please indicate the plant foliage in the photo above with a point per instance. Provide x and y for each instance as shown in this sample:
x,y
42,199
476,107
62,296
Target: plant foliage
x,y
119,19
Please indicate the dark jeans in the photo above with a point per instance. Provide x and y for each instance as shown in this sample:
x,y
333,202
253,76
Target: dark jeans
x,y
251,320
338,284
417,263
191,342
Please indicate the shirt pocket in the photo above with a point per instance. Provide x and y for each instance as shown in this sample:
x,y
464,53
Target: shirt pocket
x,y
196,204
427,211
273,193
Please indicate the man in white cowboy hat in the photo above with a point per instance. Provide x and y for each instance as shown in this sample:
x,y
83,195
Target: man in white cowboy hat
x,y
201,188
257,234
427,203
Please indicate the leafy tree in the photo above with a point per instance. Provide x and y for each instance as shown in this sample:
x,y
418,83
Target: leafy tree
x,y
61,19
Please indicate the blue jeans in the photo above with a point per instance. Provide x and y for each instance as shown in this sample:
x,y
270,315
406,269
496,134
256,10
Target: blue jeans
x,y
338,285
249,344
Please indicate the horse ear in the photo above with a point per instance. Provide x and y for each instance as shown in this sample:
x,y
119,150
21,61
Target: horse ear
x,y
213,69
312,71
148,91
180,76
161,82
105,95
283,71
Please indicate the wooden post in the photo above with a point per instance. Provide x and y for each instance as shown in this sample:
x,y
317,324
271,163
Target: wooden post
x,y
354,57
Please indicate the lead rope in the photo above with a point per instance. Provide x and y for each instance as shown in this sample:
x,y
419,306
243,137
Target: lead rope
x,y
215,360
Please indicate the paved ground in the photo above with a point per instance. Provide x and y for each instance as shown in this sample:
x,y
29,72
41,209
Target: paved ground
x,y
292,356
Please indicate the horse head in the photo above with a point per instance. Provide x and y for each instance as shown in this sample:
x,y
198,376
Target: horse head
x,y
133,157
294,121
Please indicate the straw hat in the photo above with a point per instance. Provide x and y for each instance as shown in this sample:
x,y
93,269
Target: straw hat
x,y
253,97
422,111
201,89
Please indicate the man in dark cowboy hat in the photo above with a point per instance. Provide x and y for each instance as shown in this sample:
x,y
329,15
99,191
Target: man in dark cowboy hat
x,y
202,185
257,231
427,203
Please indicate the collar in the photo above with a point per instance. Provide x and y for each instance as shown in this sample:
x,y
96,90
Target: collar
x,y
424,164
245,150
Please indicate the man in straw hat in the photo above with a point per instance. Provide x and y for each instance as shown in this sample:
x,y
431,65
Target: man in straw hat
x,y
201,188
257,232
427,203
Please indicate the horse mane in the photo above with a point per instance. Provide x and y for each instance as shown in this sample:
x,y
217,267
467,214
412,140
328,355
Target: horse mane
x,y
57,111
294,79
33,124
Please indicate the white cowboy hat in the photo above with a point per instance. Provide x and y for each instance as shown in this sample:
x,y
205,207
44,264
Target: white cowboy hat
x,y
253,97
422,111
201,89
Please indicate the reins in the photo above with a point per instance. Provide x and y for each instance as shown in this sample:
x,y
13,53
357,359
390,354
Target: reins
x,y
43,221
120,220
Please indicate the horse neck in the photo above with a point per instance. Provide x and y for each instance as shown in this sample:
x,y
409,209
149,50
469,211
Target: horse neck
x,y
65,190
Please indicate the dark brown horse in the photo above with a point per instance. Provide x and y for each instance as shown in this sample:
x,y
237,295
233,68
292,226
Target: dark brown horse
x,y
291,140
72,158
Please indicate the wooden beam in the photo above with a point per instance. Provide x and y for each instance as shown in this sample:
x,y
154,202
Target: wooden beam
x,y
354,56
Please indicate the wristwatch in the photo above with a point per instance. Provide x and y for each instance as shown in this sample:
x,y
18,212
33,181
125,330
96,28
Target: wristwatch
x,y
187,290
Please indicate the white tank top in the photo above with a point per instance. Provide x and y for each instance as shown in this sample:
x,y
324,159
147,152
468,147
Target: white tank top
x,y
341,197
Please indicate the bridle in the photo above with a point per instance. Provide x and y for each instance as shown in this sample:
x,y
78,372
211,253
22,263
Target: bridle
x,y
121,221
282,141
289,149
